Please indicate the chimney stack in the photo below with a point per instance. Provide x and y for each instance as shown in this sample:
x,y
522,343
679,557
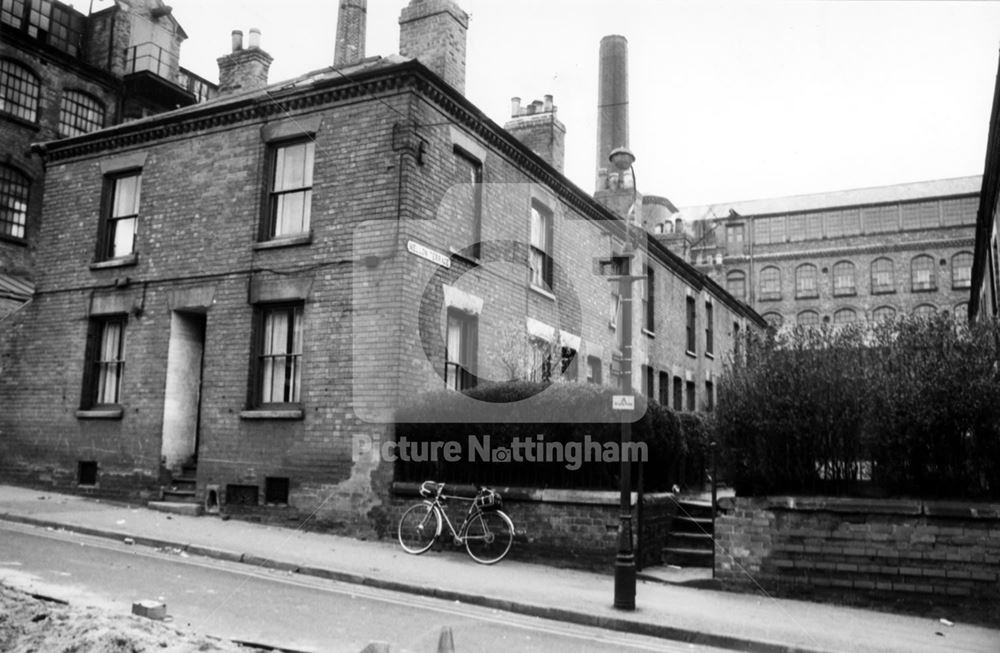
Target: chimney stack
x,y
244,69
433,32
612,103
351,24
537,127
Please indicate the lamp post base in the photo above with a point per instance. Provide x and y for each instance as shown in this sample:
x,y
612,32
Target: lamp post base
x,y
625,566
625,581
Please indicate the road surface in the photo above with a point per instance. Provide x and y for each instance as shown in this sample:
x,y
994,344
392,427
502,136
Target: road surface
x,y
280,609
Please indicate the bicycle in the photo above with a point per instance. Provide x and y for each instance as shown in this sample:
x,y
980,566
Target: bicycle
x,y
487,532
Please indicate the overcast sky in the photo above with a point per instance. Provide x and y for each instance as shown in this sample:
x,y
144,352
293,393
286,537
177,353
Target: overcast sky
x,y
729,100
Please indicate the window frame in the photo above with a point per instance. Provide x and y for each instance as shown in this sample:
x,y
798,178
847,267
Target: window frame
x,y
838,274
879,289
540,250
734,276
965,281
931,284
691,320
476,165
96,360
801,276
801,314
13,179
109,222
649,300
269,224
296,333
72,97
844,311
765,278
466,364
678,394
594,374
709,328
20,96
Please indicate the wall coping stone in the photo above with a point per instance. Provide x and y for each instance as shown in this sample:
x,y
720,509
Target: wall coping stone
x,y
538,495
915,507
962,509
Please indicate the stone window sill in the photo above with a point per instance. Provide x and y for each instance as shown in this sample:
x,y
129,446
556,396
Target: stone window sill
x,y
14,239
651,334
109,412
120,262
692,354
469,258
284,241
272,413
543,292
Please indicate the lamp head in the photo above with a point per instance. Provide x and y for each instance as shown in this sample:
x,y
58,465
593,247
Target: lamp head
x,y
621,158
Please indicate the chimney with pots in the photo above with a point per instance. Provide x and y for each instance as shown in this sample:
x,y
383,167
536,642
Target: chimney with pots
x,y
433,32
537,126
351,23
244,69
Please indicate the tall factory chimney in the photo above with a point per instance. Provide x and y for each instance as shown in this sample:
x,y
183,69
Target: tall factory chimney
x,y
612,104
351,22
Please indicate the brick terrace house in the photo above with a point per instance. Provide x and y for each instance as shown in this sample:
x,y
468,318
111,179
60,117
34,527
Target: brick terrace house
x,y
838,257
65,73
248,283
984,302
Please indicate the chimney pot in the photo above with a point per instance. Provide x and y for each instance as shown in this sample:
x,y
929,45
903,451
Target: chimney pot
x,y
254,38
515,107
548,104
237,40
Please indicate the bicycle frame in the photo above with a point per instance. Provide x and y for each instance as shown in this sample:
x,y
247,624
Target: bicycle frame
x,y
457,535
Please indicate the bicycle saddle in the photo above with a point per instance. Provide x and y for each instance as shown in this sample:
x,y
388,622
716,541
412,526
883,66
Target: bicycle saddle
x,y
430,488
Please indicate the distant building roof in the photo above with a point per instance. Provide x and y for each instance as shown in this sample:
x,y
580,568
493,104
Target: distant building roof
x,y
15,288
843,198
267,93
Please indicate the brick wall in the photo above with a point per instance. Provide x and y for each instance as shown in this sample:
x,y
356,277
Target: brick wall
x,y
575,528
883,549
363,351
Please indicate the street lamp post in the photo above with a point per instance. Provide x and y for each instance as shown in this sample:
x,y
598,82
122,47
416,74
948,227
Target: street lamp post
x,y
622,159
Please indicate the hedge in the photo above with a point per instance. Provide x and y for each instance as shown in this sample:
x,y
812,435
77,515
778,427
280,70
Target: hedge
x,y
559,413
901,408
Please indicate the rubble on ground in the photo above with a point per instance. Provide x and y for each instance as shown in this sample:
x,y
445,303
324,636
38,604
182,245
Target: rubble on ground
x,y
30,625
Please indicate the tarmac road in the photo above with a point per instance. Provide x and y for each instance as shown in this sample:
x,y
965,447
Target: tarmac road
x,y
279,609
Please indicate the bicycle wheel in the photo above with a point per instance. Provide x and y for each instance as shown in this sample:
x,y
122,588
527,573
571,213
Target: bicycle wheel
x,y
489,536
418,528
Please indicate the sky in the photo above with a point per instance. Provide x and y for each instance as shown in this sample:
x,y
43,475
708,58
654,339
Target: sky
x,y
729,100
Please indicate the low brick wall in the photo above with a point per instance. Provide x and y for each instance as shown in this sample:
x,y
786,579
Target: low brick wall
x,y
885,549
575,527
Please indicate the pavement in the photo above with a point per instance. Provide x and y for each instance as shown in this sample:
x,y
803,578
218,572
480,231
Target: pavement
x,y
744,622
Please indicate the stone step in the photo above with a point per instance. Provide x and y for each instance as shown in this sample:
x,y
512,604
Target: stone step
x,y
682,524
687,557
698,541
694,508
176,507
179,495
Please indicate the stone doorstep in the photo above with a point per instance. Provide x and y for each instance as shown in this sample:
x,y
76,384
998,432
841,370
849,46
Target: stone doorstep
x,y
177,507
